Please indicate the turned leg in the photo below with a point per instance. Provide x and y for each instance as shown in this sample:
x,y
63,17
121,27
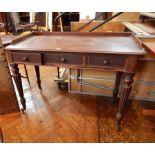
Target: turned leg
x,y
38,76
58,72
58,76
125,92
26,74
17,78
117,84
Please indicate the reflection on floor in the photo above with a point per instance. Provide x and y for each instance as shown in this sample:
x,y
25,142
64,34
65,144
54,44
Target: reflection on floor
x,y
52,115
57,116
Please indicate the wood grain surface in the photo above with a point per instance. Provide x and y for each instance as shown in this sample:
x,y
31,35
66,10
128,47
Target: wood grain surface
x,y
150,46
57,116
84,42
52,115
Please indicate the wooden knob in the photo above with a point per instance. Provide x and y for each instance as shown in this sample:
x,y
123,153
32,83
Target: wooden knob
x,y
105,62
63,60
25,58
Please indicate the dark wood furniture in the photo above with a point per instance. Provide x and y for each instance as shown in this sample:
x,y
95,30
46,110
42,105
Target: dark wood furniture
x,y
16,21
7,22
69,17
6,40
118,52
2,20
20,26
24,17
64,22
41,17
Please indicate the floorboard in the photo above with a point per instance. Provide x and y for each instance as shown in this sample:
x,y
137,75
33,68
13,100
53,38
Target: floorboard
x,y
58,116
52,115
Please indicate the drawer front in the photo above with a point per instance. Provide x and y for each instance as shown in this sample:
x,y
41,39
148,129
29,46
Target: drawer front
x,y
106,61
27,58
63,59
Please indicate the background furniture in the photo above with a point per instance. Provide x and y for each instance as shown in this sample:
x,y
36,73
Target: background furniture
x,y
65,20
2,20
144,79
145,31
24,17
147,15
43,18
21,26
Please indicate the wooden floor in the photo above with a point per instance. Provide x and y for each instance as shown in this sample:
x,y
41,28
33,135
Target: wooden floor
x,y
57,116
136,128
52,115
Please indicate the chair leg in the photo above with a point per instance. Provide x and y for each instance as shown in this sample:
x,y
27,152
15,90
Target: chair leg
x,y
26,73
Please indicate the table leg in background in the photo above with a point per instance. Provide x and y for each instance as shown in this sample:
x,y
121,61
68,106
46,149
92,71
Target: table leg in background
x,y
117,84
37,70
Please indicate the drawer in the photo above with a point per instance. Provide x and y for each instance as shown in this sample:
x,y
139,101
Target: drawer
x,y
27,58
63,59
106,60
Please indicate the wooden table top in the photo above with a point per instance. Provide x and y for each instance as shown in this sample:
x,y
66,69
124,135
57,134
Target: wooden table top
x,y
83,42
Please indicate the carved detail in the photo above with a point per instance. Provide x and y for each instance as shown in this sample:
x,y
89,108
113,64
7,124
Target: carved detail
x,y
17,78
125,92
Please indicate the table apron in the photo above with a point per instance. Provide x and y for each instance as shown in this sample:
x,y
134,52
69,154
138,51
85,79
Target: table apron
x,y
114,62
